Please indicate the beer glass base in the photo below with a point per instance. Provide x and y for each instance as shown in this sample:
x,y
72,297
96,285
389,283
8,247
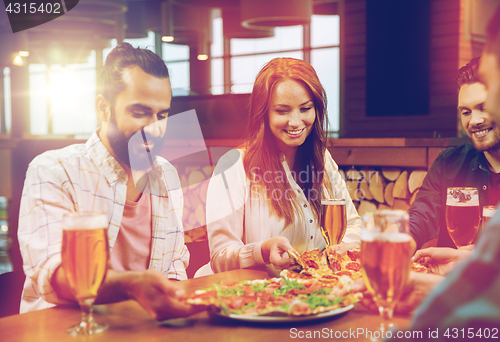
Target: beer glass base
x,y
84,328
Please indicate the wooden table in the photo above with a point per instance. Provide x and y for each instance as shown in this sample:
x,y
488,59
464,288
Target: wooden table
x,y
129,322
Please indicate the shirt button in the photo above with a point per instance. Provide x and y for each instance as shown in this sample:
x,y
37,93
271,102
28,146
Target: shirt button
x,y
485,187
312,237
305,205
310,221
119,201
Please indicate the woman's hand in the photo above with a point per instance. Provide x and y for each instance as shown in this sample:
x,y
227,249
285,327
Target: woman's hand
x,y
441,260
273,250
344,247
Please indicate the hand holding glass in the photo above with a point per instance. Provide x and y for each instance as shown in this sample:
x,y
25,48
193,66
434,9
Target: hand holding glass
x,y
385,258
85,256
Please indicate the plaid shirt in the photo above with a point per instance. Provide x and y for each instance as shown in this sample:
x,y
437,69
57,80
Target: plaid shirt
x,y
85,177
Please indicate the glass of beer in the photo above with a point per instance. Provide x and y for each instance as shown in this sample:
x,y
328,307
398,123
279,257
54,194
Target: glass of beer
x,y
462,215
85,255
385,259
488,212
333,220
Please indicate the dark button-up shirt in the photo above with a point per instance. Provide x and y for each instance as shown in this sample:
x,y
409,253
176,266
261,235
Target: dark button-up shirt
x,y
454,167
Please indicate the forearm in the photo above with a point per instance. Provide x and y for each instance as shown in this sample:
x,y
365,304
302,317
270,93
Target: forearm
x,y
237,256
117,286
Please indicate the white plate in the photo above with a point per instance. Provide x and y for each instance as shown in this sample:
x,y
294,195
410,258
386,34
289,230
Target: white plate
x,y
274,319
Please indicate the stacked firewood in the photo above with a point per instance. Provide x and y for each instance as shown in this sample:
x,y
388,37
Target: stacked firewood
x,y
382,188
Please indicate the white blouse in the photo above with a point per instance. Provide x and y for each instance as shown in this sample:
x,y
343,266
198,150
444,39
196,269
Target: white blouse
x,y
238,223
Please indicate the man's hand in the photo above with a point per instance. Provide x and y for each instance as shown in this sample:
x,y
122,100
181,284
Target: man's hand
x,y
441,260
273,250
417,288
160,296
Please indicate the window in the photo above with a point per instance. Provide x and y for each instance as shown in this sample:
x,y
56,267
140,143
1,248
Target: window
x,y
62,98
177,59
247,56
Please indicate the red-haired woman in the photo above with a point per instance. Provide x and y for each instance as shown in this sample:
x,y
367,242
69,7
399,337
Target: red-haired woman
x,y
265,197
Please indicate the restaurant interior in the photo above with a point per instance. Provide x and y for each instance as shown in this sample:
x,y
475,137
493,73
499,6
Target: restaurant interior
x,y
388,68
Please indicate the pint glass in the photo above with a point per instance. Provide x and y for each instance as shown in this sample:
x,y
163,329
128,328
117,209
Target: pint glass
x,y
85,262
462,215
385,258
333,220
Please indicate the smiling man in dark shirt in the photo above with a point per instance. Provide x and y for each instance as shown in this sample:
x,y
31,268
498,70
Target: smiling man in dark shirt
x,y
475,164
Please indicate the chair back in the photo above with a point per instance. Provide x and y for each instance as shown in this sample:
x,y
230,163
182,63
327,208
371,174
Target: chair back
x,y
11,288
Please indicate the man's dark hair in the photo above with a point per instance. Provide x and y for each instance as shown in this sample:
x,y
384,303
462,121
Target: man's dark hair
x,y
468,73
110,82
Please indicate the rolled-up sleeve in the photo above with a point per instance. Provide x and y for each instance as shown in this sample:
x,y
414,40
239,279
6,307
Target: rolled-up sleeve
x,y
44,201
425,212
226,197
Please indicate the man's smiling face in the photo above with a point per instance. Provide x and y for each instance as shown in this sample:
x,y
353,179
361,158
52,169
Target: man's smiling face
x,y
143,105
478,124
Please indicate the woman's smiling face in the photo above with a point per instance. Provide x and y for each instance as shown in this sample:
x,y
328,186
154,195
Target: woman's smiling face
x,y
291,115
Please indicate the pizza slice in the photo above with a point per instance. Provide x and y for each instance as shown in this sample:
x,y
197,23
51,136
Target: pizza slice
x,y
344,262
418,267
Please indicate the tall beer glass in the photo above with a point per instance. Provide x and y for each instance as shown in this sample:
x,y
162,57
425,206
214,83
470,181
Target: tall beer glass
x,y
462,215
85,257
333,220
385,259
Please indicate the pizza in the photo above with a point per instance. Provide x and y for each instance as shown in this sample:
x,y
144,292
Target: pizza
x,y
321,284
333,264
329,265
272,297
344,262
418,267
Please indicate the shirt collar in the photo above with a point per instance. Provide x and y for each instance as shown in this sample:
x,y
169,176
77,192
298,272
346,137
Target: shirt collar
x,y
480,162
107,164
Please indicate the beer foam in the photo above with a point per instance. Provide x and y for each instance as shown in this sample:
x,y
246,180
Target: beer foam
x,y
455,203
370,236
462,197
489,211
332,201
82,221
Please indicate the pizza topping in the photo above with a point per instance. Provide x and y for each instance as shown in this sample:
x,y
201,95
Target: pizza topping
x,y
418,267
353,266
335,265
353,254
311,264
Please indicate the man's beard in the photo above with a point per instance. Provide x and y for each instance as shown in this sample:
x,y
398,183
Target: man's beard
x,y
135,160
493,145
